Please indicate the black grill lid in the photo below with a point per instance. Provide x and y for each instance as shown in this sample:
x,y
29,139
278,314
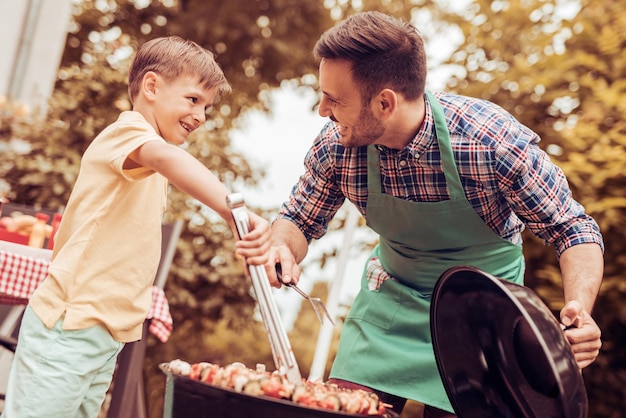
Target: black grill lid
x,y
500,351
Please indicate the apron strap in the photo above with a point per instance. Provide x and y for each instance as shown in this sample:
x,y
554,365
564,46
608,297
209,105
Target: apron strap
x,y
453,180
373,170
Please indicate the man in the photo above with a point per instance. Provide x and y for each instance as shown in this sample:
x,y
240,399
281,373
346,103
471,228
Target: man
x,y
445,180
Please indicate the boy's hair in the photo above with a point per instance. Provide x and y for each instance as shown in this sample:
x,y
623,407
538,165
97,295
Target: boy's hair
x,y
170,57
383,52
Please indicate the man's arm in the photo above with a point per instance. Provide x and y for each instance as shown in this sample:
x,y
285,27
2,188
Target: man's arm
x,y
582,268
289,247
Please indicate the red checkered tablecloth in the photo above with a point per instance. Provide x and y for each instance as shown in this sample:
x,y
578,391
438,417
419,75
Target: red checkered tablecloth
x,y
161,324
20,275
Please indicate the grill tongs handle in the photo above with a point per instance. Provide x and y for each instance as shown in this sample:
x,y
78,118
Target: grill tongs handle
x,y
284,358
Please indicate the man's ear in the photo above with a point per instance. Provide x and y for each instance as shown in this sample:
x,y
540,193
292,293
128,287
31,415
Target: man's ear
x,y
149,85
385,103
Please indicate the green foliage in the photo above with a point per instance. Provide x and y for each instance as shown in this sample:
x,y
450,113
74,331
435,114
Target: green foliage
x,y
563,76
259,45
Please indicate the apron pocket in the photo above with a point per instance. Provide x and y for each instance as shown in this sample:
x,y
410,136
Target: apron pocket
x,y
378,307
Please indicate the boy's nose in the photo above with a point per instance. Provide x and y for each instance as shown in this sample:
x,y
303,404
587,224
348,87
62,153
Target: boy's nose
x,y
199,117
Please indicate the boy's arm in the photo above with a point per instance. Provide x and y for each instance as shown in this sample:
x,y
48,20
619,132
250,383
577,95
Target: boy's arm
x,y
191,176
185,172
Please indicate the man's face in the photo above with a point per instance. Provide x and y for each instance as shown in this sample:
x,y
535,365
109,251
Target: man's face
x,y
342,102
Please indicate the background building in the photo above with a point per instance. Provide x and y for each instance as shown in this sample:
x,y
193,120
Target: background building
x,y
32,39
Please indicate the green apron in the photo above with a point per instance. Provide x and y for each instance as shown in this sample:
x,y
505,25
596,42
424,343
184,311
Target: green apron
x,y
385,341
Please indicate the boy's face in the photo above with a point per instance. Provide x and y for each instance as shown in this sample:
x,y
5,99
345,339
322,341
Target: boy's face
x,y
180,106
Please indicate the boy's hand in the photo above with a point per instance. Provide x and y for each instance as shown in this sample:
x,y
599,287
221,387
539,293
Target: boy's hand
x,y
255,245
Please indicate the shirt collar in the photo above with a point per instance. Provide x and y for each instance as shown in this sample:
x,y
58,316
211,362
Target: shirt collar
x,y
423,138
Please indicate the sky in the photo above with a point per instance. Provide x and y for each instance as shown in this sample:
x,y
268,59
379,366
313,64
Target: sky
x,y
278,142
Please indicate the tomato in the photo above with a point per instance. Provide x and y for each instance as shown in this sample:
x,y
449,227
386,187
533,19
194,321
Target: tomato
x,y
208,375
196,369
272,388
331,402
307,399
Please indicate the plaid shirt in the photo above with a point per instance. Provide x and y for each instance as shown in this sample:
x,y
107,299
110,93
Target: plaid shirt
x,y
507,178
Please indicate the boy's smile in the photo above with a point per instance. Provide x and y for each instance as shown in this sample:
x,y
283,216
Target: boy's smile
x,y
179,107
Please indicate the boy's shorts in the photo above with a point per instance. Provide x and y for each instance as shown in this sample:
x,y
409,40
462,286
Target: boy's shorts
x,y
59,373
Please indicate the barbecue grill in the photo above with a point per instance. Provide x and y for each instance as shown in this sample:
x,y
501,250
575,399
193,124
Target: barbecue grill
x,y
499,349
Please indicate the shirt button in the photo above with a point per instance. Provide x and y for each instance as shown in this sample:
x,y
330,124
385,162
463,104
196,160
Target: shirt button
x,y
402,163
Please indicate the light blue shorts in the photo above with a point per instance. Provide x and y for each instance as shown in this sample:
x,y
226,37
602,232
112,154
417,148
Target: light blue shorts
x,y
59,373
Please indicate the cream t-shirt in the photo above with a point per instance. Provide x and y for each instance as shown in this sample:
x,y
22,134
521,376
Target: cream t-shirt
x,y
108,246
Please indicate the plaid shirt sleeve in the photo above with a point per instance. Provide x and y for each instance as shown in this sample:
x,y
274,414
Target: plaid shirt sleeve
x,y
535,189
507,178
318,195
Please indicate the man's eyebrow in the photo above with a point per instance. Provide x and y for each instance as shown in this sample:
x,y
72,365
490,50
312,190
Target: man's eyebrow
x,y
330,96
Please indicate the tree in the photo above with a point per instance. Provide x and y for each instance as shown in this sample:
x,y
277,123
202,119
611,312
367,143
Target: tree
x,y
259,44
559,68
556,65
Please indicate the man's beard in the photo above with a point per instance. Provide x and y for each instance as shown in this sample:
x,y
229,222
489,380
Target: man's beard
x,y
365,131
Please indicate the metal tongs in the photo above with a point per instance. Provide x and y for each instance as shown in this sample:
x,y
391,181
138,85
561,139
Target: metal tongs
x,y
284,358
318,306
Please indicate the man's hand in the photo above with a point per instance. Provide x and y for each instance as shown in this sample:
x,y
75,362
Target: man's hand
x,y
582,333
289,247
282,267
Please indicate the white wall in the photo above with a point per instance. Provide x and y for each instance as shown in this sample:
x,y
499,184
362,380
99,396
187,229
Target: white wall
x,y
32,38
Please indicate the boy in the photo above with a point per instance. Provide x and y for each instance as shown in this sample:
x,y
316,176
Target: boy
x,y
97,293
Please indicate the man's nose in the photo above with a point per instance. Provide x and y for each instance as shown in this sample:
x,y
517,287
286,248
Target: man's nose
x,y
324,108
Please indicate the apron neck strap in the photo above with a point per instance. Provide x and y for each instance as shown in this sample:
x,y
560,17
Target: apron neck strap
x,y
453,180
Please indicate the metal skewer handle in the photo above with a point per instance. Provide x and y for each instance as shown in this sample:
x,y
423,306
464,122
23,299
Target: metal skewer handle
x,y
284,358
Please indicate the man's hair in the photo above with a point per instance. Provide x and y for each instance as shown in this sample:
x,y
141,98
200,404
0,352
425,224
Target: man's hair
x,y
383,52
170,57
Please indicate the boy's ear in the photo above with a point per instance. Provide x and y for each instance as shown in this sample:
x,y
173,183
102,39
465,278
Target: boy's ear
x,y
149,85
385,103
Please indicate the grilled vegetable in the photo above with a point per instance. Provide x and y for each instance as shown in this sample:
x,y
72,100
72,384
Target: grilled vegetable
x,y
260,382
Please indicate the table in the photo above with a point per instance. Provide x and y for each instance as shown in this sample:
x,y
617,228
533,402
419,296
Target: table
x,y
127,397
23,268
